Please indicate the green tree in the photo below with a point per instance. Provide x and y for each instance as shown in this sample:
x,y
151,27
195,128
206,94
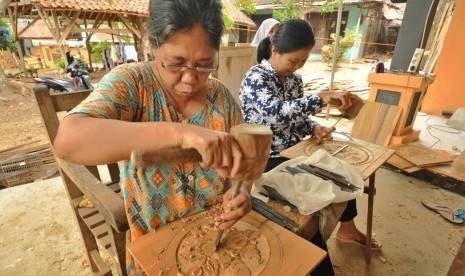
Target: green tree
x,y
4,42
345,43
247,6
291,10
99,48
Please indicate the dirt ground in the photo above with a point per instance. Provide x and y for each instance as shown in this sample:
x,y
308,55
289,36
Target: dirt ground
x,y
38,235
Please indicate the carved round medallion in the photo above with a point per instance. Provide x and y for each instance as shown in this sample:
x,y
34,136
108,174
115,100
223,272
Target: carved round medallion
x,y
353,154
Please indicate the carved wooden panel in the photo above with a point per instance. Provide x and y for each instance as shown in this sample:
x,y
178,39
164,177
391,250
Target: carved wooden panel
x,y
421,155
366,157
255,246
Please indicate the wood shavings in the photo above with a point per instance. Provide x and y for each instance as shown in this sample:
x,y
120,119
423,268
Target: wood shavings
x,y
86,203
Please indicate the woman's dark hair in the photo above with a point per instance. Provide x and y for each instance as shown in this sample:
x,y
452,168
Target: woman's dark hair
x,y
291,36
169,16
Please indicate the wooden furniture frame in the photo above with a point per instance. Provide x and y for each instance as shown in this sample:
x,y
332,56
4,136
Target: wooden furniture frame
x,y
103,228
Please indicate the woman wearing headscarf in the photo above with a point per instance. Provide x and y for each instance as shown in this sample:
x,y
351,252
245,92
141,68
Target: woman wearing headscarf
x,y
266,29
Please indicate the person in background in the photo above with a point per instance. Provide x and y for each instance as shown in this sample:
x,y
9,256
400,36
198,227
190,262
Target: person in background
x,y
266,29
272,94
167,102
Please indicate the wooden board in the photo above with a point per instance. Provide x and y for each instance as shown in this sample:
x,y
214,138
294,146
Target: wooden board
x,y
376,122
402,164
421,155
289,254
366,157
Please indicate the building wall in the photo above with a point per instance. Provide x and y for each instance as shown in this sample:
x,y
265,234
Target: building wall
x,y
448,89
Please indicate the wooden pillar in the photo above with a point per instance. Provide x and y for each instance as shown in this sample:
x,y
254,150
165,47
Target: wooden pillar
x,y
13,16
143,37
58,37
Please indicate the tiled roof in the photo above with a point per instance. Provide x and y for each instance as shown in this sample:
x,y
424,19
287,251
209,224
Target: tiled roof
x,y
37,31
238,16
131,6
123,6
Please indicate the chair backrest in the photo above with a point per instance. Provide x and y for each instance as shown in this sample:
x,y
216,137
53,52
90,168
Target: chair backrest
x,y
106,222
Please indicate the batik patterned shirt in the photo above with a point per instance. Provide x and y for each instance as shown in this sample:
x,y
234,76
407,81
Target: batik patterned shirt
x,y
280,105
157,194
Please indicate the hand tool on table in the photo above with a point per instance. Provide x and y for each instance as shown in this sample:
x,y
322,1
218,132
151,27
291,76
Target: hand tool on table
x,y
273,215
220,233
255,143
337,179
339,149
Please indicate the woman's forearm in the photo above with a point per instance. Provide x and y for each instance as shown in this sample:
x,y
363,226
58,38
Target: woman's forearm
x,y
86,140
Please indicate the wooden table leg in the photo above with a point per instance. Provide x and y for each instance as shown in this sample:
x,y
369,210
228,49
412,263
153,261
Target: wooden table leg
x,y
371,198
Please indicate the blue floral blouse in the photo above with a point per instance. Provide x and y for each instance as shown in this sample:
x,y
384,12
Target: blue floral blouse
x,y
280,105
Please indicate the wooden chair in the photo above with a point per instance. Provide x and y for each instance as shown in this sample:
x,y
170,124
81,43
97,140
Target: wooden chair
x,y
103,227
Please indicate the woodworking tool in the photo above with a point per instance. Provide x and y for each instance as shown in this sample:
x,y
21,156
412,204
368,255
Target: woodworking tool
x,y
273,215
337,179
254,140
220,233
340,149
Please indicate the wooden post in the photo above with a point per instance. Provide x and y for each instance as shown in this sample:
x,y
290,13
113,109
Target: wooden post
x,y
13,16
143,37
58,38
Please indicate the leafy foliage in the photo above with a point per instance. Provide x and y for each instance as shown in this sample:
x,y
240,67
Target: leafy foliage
x,y
60,63
99,48
4,42
291,10
228,20
345,43
330,6
248,6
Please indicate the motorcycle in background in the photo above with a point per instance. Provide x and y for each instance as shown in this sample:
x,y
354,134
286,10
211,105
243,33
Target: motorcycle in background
x,y
80,79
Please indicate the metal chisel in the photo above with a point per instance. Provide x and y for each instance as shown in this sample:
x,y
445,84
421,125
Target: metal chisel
x,y
220,233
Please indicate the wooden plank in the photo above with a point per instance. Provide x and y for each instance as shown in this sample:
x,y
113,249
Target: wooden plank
x,y
421,155
376,122
66,32
365,156
458,264
102,266
46,107
67,101
289,254
129,25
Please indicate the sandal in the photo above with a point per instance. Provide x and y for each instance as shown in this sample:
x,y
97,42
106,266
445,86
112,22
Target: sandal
x,y
375,244
445,212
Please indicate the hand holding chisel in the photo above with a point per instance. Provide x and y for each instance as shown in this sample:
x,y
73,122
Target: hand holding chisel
x,y
220,233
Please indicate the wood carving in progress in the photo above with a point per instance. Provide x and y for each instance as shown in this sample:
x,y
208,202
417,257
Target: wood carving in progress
x,y
253,246
366,157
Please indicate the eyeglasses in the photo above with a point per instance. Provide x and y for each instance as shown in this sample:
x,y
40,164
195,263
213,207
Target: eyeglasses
x,y
182,68
198,69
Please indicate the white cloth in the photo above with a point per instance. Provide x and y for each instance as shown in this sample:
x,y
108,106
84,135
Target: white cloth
x,y
263,31
310,193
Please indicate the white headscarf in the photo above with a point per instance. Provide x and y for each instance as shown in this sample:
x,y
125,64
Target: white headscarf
x,y
263,31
